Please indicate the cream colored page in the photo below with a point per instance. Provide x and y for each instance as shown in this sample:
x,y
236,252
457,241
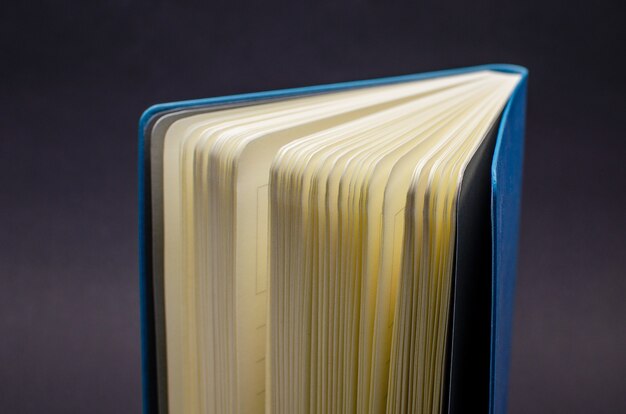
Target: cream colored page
x,y
182,364
391,246
392,231
310,163
328,286
333,162
434,269
251,270
179,279
177,169
182,372
250,314
352,229
174,283
363,233
341,284
177,320
323,373
306,196
404,375
343,296
189,359
334,372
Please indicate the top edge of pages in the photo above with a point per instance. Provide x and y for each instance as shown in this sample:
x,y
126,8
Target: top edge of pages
x,y
343,248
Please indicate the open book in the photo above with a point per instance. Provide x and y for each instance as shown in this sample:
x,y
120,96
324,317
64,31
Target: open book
x,y
346,248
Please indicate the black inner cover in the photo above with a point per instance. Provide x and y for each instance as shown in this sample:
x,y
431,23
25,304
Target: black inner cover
x,y
468,365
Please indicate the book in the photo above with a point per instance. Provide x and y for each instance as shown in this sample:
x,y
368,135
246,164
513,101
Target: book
x,y
345,248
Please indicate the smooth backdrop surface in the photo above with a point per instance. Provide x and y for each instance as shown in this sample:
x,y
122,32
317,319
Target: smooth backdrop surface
x,y
75,76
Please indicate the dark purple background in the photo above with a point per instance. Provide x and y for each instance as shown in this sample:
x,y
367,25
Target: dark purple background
x,y
75,77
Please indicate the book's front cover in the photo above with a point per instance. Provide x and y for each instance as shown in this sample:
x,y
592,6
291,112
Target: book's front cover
x,y
506,187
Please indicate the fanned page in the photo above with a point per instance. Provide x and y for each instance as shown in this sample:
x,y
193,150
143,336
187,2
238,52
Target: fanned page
x,y
308,247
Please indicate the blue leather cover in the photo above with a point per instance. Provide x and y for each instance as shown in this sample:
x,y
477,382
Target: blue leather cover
x,y
506,191
506,173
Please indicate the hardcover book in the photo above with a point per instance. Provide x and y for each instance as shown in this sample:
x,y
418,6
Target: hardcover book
x,y
344,248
